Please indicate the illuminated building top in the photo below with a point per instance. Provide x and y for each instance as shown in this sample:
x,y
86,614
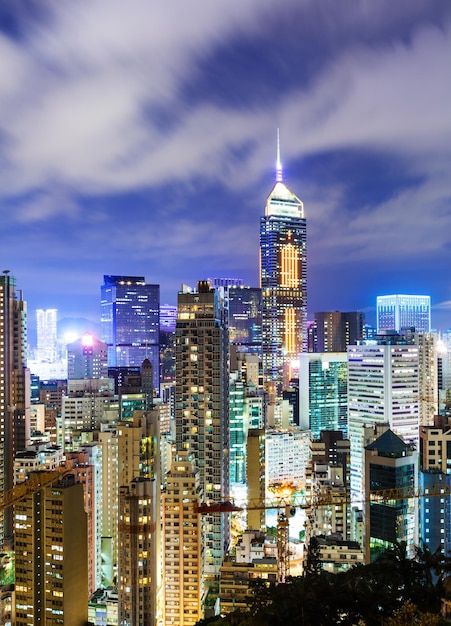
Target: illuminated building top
x,y
281,201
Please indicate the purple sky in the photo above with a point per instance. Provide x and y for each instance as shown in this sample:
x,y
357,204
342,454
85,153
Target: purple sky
x,y
140,138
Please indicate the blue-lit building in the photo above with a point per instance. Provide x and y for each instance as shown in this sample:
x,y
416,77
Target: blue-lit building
x,y
400,311
283,275
323,392
130,319
435,485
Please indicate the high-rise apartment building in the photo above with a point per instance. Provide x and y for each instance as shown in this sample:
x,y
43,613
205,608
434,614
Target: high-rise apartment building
x,y
130,318
256,476
139,564
334,331
50,531
400,311
382,388
14,388
428,376
182,544
87,469
202,412
46,326
323,392
283,278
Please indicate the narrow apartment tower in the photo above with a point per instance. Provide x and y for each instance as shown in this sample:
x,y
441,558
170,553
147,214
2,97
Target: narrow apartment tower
x,y
52,556
14,389
138,553
202,412
283,278
182,544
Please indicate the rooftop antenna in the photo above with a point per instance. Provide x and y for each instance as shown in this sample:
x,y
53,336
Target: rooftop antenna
x,y
279,174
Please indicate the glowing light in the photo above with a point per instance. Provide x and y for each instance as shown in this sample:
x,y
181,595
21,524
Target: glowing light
x,y
70,337
87,340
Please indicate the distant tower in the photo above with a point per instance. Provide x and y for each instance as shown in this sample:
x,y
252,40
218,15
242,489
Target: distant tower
x,y
403,311
46,321
336,330
52,562
131,322
283,277
87,358
202,413
14,388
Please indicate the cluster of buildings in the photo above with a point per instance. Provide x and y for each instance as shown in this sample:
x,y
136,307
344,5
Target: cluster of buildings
x,y
136,491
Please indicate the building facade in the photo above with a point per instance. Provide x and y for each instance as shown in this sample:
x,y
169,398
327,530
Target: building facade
x,y
400,311
182,544
14,388
51,556
390,464
283,278
202,412
383,387
87,357
130,319
46,326
334,331
323,392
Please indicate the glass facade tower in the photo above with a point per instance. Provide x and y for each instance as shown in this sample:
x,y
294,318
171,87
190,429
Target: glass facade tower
x,y
130,318
283,278
403,311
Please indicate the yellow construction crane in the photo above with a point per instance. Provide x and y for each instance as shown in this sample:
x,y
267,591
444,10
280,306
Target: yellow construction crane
x,y
286,508
34,482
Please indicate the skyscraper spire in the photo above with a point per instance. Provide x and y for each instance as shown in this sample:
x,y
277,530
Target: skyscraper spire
x,y
279,174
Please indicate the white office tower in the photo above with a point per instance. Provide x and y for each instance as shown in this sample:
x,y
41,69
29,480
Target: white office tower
x,y
383,387
287,453
404,311
46,324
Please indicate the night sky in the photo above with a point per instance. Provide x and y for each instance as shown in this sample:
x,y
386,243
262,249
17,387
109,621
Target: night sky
x,y
140,138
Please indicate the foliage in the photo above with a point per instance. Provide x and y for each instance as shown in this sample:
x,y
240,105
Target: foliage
x,y
392,591
409,615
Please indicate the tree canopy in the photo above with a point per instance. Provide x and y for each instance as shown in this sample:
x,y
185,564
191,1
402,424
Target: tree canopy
x,y
393,590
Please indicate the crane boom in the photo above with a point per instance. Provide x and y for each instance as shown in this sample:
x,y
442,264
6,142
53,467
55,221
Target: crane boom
x,y
34,482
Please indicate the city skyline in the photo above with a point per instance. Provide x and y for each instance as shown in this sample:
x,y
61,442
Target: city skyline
x,y
144,143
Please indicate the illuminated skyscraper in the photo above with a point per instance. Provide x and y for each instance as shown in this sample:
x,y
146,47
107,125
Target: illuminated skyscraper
x,y
283,277
402,311
46,322
131,322
14,387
